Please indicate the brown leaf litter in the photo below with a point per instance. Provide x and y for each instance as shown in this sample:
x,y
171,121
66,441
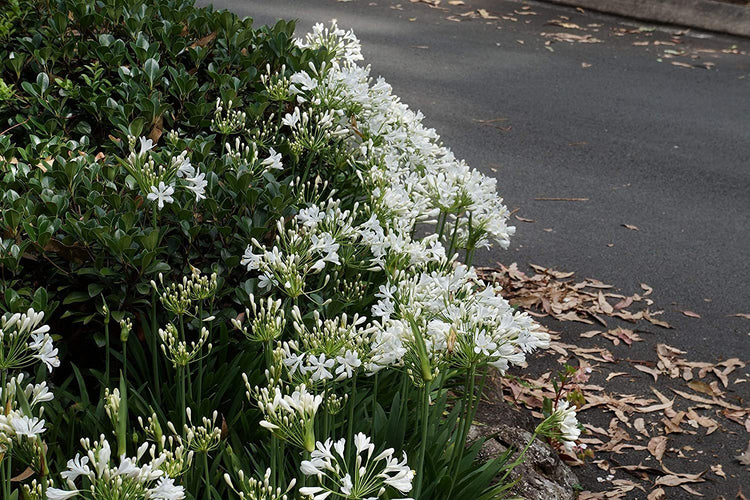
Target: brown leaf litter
x,y
645,421
588,301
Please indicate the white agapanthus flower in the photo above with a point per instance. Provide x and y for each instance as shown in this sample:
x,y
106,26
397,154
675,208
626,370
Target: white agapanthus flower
x,y
161,194
569,431
367,477
129,478
197,184
273,162
27,426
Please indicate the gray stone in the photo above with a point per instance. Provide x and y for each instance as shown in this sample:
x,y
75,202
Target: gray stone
x,y
542,475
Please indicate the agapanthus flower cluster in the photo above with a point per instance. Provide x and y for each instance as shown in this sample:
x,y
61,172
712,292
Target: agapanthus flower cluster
x,y
367,477
179,351
276,84
411,177
123,478
178,454
226,120
328,349
315,240
249,488
180,298
21,422
244,158
158,176
314,131
24,340
460,319
343,44
567,428
203,437
267,323
289,416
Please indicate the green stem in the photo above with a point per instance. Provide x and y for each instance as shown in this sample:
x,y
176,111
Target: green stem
x,y
482,382
199,390
460,444
352,402
106,347
4,382
181,394
470,256
5,474
125,359
519,459
274,459
9,472
153,346
452,247
424,421
268,351
404,398
207,475
307,169
280,468
441,224
374,406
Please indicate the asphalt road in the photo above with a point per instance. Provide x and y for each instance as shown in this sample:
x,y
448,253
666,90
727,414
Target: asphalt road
x,y
660,146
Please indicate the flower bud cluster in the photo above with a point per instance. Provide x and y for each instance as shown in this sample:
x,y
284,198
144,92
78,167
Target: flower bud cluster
x,y
268,321
229,122
181,352
250,488
276,84
290,417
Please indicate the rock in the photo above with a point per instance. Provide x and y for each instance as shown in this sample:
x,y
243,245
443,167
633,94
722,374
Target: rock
x,y
542,475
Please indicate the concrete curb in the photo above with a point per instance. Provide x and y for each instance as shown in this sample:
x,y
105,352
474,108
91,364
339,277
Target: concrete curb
x,y
704,14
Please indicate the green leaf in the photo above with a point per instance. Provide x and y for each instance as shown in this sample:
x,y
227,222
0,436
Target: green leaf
x,y
42,81
95,289
151,68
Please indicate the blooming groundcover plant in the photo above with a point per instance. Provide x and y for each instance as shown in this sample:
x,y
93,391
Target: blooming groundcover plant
x,y
233,264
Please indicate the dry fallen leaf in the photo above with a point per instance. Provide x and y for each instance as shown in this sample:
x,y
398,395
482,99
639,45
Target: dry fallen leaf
x,y
718,470
741,315
585,65
456,2
703,387
541,198
571,38
657,446
631,227
691,314
657,494
679,479
682,64
485,15
640,426
563,24
744,458
651,371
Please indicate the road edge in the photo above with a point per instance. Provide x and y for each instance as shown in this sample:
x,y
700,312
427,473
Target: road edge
x,y
704,14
